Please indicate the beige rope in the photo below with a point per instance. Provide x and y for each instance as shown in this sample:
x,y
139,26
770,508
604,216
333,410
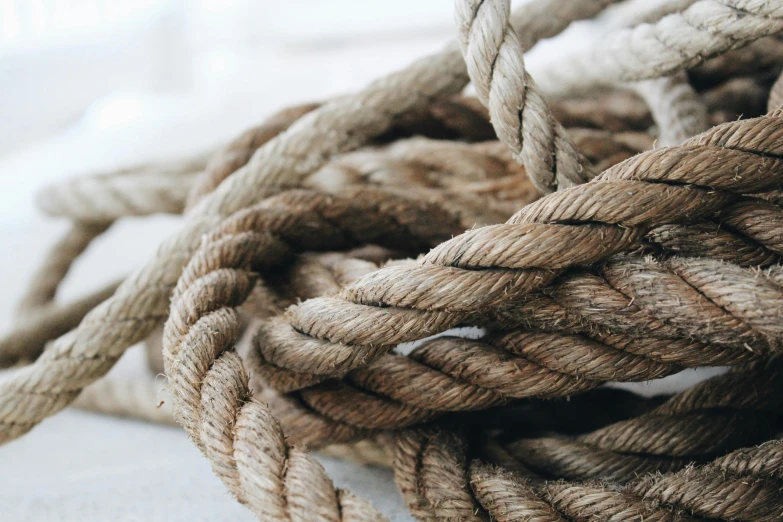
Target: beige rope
x,y
438,481
137,398
676,42
636,12
713,417
517,109
677,110
108,197
776,94
29,337
57,262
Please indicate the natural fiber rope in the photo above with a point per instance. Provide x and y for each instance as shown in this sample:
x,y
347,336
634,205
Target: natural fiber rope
x,y
677,41
453,374
81,357
479,182
30,335
104,198
628,318
437,481
47,278
633,13
338,357
594,358
676,108
417,300
759,56
275,481
454,117
776,95
718,415
517,109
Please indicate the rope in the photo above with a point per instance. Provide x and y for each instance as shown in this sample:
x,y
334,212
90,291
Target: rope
x,y
439,482
674,43
484,268
714,417
140,303
47,278
677,110
669,259
517,109
104,198
776,94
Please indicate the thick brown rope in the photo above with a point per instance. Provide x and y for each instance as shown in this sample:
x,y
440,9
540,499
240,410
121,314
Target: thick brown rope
x,y
238,434
484,268
436,478
718,415
454,374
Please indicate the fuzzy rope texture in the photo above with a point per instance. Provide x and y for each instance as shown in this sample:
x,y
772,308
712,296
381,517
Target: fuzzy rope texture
x,y
714,417
140,303
708,335
499,264
252,457
439,481
569,355
521,118
668,260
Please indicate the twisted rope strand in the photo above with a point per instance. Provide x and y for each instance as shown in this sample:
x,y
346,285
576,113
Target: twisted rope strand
x,y
675,106
57,263
107,197
521,118
720,414
236,433
29,337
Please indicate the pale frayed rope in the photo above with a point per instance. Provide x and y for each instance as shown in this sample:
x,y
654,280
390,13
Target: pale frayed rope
x,y
674,43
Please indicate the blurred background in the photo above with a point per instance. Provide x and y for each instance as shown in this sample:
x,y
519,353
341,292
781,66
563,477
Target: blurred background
x,y
93,85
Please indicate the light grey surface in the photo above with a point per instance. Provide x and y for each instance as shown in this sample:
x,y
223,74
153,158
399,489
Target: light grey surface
x,y
84,467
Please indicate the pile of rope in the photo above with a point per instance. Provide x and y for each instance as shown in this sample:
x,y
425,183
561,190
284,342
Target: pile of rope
x,y
617,218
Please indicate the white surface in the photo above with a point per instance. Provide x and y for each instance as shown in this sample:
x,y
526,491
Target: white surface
x,y
207,76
